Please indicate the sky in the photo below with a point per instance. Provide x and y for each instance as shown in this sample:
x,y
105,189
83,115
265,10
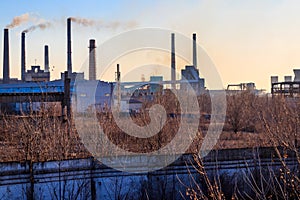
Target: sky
x,y
248,40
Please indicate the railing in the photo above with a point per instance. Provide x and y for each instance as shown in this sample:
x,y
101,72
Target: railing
x,y
30,88
290,89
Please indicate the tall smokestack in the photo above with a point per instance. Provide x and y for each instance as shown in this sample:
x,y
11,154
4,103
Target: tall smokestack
x,y
173,67
92,60
46,58
6,57
69,51
194,51
23,58
118,73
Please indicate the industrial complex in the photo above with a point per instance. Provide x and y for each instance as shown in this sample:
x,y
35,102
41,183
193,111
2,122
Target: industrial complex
x,y
34,87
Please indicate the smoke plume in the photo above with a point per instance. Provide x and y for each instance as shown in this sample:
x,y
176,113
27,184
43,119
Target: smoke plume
x,y
83,21
19,20
41,26
99,24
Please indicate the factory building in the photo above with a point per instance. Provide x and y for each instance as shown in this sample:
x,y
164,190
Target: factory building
x,y
75,76
91,95
242,87
191,73
155,88
36,74
288,87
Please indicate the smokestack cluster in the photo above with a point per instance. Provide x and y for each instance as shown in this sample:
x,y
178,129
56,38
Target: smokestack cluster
x,y
173,65
6,57
69,47
92,60
194,51
22,19
23,58
46,58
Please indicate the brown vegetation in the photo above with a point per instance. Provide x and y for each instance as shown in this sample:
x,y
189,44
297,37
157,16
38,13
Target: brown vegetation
x,y
38,137
251,121
272,122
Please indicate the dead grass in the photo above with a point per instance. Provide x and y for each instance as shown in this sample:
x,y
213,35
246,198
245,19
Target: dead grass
x,y
43,136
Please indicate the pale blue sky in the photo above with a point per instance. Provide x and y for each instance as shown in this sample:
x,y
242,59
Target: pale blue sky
x,y
248,40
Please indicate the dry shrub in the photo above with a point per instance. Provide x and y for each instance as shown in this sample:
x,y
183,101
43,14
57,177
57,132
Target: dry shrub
x,y
39,136
276,120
